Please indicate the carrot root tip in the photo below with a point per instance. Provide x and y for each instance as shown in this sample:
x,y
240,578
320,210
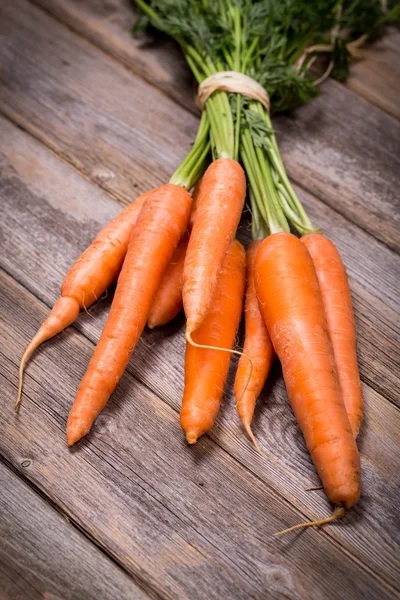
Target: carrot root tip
x,y
23,362
338,513
191,438
315,488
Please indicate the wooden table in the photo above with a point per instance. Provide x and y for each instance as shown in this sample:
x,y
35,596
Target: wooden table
x,y
89,119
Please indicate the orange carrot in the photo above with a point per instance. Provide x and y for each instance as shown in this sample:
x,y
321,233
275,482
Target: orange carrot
x,y
220,204
336,299
206,369
167,302
88,278
160,225
251,376
291,305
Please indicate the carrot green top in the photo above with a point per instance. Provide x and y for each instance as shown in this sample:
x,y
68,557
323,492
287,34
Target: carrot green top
x,y
275,43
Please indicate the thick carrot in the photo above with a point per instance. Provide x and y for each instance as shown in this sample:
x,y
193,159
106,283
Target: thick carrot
x,y
220,205
251,376
88,278
337,303
206,369
160,225
167,302
291,305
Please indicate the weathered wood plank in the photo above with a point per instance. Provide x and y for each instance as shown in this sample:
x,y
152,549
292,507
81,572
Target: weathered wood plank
x,y
191,521
109,25
329,146
39,225
44,556
42,215
115,128
376,77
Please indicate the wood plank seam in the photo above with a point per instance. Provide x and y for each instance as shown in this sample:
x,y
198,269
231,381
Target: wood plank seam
x,y
147,589
191,110
272,488
117,60
18,586
168,508
140,582
61,157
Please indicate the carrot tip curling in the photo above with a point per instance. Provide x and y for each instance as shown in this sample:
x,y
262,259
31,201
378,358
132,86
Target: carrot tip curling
x,y
338,513
315,488
189,339
64,312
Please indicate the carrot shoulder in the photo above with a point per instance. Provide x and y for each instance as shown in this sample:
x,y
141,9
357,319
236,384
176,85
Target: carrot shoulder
x,y
206,369
251,376
88,278
219,208
161,223
291,305
336,298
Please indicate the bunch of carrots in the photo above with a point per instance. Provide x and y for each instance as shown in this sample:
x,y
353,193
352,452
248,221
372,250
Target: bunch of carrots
x,y
170,249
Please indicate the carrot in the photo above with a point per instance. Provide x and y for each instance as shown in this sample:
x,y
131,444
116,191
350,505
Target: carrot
x,y
206,369
337,303
160,225
220,204
167,302
257,346
88,278
291,305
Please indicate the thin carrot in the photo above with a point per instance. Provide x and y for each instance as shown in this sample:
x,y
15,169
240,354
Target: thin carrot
x,y
291,305
337,303
220,204
167,302
206,369
257,346
88,278
160,225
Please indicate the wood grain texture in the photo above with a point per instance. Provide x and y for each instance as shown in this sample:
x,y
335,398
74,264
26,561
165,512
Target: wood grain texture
x,y
119,131
329,146
376,76
43,556
108,24
40,224
192,522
